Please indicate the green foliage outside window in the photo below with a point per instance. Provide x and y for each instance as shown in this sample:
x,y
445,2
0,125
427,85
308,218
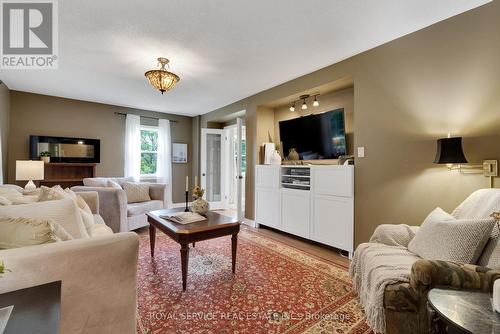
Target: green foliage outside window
x,y
149,151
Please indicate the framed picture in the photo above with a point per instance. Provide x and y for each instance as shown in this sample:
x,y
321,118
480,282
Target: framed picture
x,y
179,153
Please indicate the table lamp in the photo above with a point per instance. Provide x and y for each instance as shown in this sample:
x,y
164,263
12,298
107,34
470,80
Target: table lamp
x,y
28,170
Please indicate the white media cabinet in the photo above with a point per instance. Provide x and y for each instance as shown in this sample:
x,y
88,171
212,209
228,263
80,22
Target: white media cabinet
x,y
314,202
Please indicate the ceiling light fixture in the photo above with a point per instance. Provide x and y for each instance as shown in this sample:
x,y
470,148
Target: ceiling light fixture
x,y
316,102
162,79
304,98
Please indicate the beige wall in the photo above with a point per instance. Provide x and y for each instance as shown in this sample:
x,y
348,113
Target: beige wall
x,y
34,114
408,93
4,125
330,101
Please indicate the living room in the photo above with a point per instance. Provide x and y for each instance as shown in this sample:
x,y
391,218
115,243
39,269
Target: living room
x,y
416,85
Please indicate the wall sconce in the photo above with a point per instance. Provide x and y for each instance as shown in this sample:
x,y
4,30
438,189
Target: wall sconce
x,y
303,99
450,152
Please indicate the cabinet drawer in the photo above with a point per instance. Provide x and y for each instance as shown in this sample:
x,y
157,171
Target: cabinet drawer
x,y
333,181
267,177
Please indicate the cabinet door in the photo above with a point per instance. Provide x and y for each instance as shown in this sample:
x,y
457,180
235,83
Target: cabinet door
x,y
267,208
267,177
296,212
333,221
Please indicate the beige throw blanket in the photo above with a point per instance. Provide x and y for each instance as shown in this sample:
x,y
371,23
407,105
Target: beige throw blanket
x,y
376,265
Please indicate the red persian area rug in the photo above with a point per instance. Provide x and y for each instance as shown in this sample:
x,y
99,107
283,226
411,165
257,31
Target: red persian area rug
x,y
276,289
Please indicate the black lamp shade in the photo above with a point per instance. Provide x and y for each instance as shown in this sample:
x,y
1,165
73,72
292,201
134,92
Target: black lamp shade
x,y
449,151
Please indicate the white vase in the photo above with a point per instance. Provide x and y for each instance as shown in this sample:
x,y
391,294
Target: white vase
x,y
200,206
275,158
45,159
496,295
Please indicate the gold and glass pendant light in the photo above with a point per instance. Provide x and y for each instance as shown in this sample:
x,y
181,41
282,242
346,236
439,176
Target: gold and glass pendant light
x,y
162,79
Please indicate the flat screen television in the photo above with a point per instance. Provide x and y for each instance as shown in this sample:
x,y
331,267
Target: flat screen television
x,y
320,136
66,149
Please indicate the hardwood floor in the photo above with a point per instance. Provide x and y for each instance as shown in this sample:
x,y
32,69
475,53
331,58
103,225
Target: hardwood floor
x,y
308,246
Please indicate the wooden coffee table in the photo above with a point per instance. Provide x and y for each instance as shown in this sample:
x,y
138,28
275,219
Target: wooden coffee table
x,y
215,226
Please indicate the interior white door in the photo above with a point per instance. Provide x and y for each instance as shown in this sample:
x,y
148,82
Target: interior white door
x,y
241,167
212,166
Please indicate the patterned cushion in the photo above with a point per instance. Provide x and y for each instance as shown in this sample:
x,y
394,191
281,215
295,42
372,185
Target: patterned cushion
x,y
480,204
51,194
22,231
442,237
491,254
136,192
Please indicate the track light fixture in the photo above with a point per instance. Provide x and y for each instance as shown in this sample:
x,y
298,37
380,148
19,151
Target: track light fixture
x,y
304,98
316,102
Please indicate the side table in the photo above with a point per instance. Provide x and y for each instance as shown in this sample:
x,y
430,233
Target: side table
x,y
459,311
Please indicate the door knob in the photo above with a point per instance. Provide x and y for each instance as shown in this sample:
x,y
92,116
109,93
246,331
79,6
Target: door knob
x,y
203,174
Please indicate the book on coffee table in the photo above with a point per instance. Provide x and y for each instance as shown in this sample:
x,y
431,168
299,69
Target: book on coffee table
x,y
184,217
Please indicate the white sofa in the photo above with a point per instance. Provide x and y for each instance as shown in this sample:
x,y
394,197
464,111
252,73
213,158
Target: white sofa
x,y
118,214
98,277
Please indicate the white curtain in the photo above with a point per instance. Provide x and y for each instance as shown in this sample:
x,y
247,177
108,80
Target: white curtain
x,y
164,167
133,147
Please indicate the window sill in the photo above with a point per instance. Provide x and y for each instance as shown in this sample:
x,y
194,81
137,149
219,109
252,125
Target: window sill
x,y
147,178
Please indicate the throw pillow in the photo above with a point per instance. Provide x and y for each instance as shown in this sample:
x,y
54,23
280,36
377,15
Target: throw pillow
x,y
4,201
63,212
87,216
442,237
136,192
113,184
394,234
51,194
22,231
491,254
15,197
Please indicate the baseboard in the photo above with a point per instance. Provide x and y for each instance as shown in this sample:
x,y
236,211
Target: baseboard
x,y
249,222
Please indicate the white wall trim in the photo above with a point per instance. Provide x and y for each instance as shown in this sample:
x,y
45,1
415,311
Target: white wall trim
x,y
249,222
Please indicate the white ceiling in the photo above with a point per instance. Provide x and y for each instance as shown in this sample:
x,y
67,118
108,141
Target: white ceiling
x,y
223,50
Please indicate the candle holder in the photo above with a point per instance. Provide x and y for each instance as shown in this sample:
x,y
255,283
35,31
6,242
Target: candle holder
x,y
187,208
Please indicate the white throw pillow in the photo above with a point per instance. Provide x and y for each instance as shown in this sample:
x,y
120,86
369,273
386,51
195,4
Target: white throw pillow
x,y
136,192
113,184
4,201
100,230
57,193
442,237
22,231
87,216
63,212
16,197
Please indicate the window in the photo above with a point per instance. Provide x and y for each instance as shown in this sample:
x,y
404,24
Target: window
x,y
149,150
